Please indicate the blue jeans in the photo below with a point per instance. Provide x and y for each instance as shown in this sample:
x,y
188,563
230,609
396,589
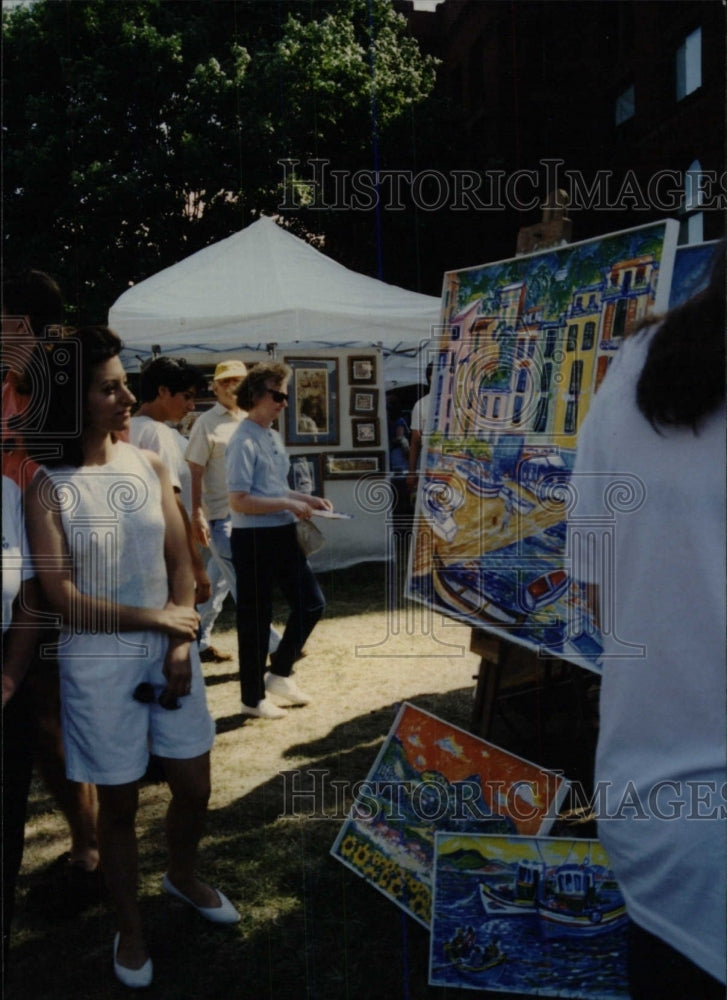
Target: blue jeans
x,y
264,557
220,532
220,548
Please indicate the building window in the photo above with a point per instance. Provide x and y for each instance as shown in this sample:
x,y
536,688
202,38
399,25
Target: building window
x,y
625,105
619,320
517,409
545,376
522,380
531,347
571,416
572,337
589,335
541,416
550,342
689,65
576,377
692,224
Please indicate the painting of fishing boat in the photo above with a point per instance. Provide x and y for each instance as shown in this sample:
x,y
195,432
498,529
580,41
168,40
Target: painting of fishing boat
x,y
536,916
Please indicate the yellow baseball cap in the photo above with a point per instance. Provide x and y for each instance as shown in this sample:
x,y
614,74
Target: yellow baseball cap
x,y
229,369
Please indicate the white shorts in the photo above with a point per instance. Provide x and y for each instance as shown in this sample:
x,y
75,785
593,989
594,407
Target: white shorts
x,y
107,734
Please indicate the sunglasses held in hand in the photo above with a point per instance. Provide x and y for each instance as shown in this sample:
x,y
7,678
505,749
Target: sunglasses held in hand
x,y
144,693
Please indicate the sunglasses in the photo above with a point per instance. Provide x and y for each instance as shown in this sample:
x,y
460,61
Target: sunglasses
x,y
279,397
144,693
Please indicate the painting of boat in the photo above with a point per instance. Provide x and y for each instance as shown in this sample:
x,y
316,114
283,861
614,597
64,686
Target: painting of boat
x,y
527,916
518,899
523,347
573,904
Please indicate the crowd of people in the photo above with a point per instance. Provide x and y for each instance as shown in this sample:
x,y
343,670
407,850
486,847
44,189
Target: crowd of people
x,y
108,607
108,604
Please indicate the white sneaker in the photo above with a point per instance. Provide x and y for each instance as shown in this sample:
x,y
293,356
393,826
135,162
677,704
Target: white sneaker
x,y
285,687
265,709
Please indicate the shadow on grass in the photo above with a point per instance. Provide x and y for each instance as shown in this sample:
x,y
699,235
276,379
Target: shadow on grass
x,y
310,930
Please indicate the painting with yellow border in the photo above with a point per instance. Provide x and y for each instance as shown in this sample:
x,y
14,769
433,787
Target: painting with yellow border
x,y
525,344
429,776
538,916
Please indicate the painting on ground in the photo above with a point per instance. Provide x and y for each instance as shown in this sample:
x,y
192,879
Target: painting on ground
x,y
532,916
524,346
429,776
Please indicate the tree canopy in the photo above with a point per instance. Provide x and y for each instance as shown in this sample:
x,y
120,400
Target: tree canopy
x,y
139,131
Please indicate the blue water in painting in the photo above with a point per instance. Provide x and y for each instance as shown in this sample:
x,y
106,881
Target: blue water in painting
x,y
592,967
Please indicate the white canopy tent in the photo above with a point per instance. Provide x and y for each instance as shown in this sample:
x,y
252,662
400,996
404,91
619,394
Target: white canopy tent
x,y
263,285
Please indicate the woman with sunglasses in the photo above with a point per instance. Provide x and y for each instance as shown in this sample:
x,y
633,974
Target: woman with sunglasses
x,y
265,549
111,555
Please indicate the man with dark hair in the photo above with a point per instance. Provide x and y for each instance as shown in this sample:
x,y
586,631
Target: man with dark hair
x,y
32,309
168,390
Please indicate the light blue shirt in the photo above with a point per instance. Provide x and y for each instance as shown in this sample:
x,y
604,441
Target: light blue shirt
x,y
258,464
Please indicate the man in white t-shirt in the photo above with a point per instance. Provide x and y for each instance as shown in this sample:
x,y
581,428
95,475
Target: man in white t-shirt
x,y
418,423
168,390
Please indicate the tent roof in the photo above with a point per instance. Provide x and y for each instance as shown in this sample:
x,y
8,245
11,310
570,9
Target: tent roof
x,y
265,285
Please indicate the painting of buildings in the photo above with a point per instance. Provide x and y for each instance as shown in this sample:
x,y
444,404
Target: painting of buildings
x,y
429,776
527,916
525,345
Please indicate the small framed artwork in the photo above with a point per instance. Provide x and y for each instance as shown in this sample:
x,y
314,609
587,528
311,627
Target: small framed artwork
x,y
311,416
352,466
362,370
365,432
364,402
304,475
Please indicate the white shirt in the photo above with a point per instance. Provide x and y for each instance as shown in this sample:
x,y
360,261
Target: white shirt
x,y
207,445
419,414
662,699
16,563
156,436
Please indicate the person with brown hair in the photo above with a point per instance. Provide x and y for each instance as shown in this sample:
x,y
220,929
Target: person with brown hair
x,y
657,426
111,555
265,548
32,316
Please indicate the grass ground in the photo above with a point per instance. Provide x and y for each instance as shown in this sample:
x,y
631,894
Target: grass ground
x,y
310,929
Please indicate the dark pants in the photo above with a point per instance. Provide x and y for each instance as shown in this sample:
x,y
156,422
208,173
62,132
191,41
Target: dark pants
x,y
264,557
18,752
656,971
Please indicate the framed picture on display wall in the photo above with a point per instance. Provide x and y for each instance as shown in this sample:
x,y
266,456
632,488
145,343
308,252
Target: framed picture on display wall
x,y
365,432
353,465
362,370
364,402
311,416
304,474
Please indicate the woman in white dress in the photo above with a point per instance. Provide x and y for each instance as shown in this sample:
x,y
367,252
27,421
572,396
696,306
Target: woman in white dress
x,y
111,555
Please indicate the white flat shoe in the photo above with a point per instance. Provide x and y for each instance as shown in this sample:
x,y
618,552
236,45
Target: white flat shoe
x,y
225,913
135,979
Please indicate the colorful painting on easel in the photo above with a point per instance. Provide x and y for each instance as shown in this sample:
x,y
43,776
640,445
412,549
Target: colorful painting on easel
x,y
428,776
528,916
692,268
524,347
